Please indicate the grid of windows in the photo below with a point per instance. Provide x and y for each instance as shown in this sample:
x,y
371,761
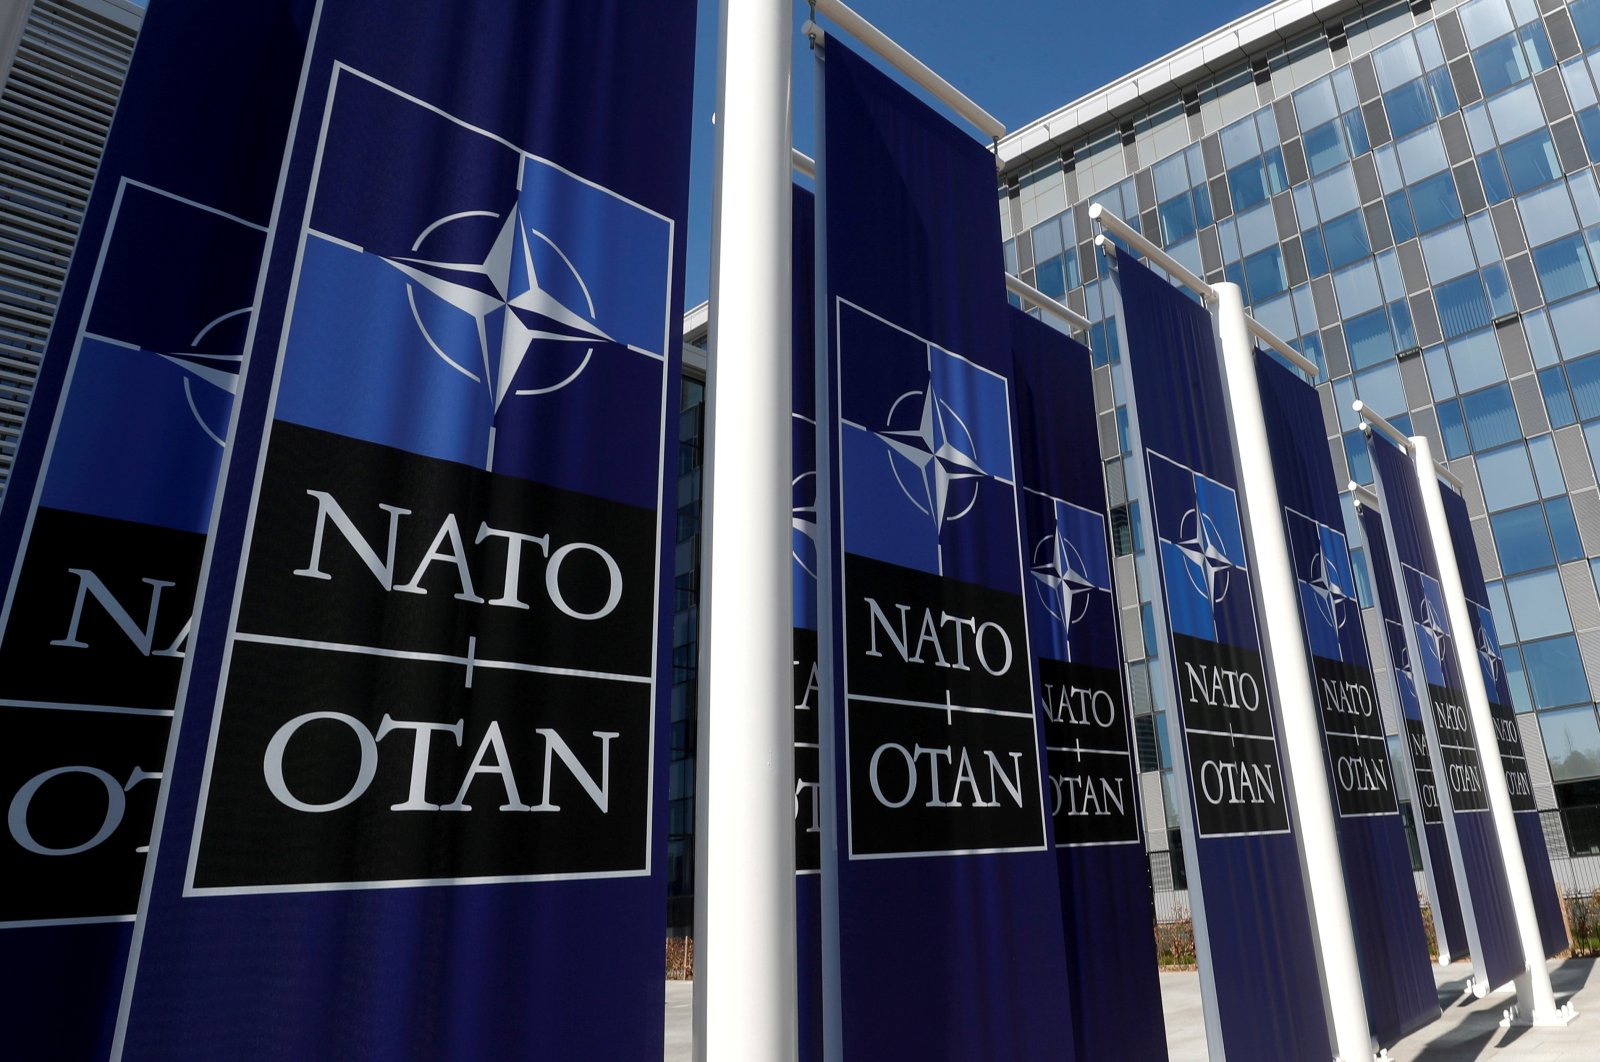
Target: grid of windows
x,y
1416,207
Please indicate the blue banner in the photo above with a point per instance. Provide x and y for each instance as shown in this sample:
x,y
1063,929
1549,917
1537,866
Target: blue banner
x,y
1507,734
1107,906
1391,948
1438,864
807,688
110,500
415,797
1486,901
948,932
1253,936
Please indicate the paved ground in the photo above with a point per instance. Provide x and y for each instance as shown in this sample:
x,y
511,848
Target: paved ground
x,y
1468,1028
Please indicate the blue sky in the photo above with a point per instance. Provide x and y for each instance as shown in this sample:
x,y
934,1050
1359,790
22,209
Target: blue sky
x,y
1018,59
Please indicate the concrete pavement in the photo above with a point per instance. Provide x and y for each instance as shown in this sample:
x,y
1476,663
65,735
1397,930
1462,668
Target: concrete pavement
x,y
1467,1029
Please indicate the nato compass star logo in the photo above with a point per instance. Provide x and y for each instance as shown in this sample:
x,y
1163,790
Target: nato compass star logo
x,y
803,517
1060,579
211,365
1327,587
1429,624
1209,566
518,320
933,456
1489,654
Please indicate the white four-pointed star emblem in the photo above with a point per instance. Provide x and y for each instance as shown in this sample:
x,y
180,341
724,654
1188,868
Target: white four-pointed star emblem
x,y
1433,629
1208,564
219,371
935,454
1491,655
1059,578
1330,595
512,310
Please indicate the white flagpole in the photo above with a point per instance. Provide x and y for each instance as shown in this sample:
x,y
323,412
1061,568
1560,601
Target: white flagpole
x,y
1301,738
1536,1004
745,981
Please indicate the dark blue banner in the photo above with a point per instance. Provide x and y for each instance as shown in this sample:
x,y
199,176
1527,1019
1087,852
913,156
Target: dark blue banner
x,y
415,795
1438,863
1391,949
948,931
1252,931
1107,906
1486,901
110,500
1507,734
807,688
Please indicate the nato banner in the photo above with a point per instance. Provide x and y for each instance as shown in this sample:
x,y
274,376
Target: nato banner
x,y
415,796
1253,937
105,518
1107,905
948,930
1486,899
807,702
1391,949
1427,817
1507,734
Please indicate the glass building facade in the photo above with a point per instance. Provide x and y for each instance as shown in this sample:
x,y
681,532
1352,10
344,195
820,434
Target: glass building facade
x,y
1407,193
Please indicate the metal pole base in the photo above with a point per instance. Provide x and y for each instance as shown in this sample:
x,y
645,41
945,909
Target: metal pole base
x,y
1521,1015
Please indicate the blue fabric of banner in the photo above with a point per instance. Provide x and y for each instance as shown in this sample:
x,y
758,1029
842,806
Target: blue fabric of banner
x,y
1107,906
105,517
415,806
807,706
949,925
1450,930
1253,932
1508,735
1491,926
1390,945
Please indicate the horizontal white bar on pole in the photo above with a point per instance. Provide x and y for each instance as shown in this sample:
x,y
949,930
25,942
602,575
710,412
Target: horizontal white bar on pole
x,y
803,164
1371,416
1449,477
1130,236
1030,294
1289,354
1363,496
1136,240
905,62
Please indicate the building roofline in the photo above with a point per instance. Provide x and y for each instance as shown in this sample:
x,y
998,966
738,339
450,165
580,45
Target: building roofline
x,y
1222,49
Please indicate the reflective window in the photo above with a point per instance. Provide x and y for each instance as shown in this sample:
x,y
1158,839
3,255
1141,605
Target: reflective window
x,y
1448,253
1499,289
1484,20
1547,467
1264,274
1355,452
1589,126
1381,389
1564,529
1516,112
1584,375
1564,267
1547,215
1401,222
1506,477
1325,148
1462,307
1422,154
1410,107
1396,63
1572,741
1516,675
1491,418
1453,429
1177,219
1315,103
1315,251
1367,336
1435,202
1476,359
1555,670
1557,401
1540,608
1521,539
1531,162
1357,288
1573,322
1496,188
1515,57
1254,181
1346,239
1586,20
1336,193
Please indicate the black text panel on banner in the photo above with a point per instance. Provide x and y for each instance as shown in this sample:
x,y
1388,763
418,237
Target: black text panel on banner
x,y
1427,815
1391,948
1107,907
1507,733
1453,748
415,799
1259,974
110,499
807,689
948,935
